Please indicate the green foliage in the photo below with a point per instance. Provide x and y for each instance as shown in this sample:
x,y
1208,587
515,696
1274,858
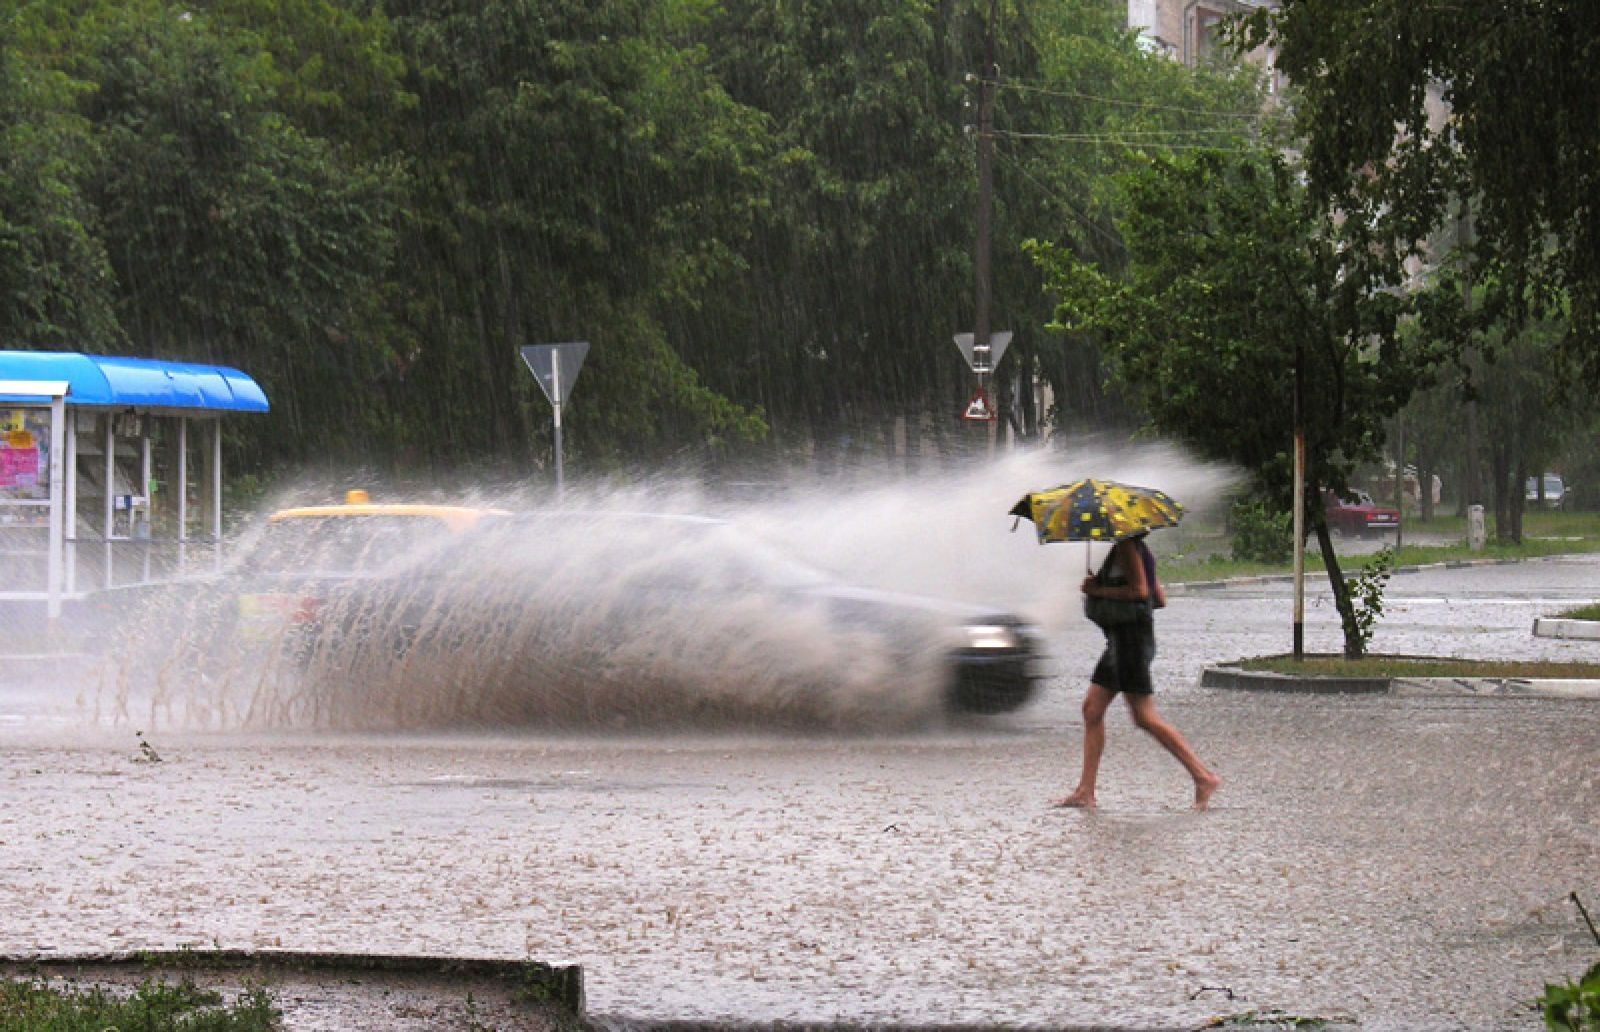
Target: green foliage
x,y
1231,276
1573,1006
1234,283
58,284
760,215
1517,81
1366,592
1261,533
29,1006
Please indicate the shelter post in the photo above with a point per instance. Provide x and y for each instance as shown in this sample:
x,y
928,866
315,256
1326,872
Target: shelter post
x,y
57,539
183,493
215,518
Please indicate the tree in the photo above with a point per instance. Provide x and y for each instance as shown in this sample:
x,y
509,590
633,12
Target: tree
x,y
59,289
1233,280
866,267
1408,106
234,235
1531,410
578,175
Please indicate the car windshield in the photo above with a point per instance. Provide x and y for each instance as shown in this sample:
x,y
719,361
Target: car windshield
x,y
681,553
341,545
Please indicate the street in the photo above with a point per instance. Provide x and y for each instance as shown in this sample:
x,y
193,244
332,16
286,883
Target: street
x,y
1396,863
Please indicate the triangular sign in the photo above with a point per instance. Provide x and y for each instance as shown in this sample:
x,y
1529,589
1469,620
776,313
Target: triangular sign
x,y
976,359
556,367
979,408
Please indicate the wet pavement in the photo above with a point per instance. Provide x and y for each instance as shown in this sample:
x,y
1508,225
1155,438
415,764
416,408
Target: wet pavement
x,y
1400,863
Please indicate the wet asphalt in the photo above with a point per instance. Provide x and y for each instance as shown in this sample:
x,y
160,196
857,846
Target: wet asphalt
x,y
1389,863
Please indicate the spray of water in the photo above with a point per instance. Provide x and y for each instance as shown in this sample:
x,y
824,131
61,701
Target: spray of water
x,y
624,607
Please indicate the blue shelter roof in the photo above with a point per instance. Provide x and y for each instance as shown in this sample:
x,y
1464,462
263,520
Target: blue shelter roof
x,y
111,381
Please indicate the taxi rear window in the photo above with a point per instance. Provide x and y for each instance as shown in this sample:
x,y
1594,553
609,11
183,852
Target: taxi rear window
x,y
343,544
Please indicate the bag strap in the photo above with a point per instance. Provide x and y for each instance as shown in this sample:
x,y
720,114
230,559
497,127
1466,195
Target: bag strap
x,y
1149,559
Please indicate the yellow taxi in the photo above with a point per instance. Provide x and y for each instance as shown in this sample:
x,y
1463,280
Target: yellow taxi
x,y
308,553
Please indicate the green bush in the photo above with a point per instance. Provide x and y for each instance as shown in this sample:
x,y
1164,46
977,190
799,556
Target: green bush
x,y
1366,593
1260,533
1574,1007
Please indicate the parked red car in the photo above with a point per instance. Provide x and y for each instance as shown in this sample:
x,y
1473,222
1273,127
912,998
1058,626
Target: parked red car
x,y
1357,515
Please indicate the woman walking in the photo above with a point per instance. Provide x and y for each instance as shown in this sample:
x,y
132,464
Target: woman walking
x,y
1129,575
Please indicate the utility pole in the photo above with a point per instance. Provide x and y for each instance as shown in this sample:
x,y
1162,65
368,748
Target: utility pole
x,y
1470,490
980,324
1299,509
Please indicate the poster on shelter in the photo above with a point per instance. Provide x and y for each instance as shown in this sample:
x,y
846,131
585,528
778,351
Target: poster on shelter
x,y
25,454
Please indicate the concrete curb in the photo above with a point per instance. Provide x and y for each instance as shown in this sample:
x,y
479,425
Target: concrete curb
x,y
1267,681
1556,627
1403,687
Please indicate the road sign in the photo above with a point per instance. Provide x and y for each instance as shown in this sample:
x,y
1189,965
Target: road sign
x,y
556,367
979,408
980,360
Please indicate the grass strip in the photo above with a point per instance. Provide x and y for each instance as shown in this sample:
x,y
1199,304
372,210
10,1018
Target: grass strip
x,y
1544,534
33,1006
1406,666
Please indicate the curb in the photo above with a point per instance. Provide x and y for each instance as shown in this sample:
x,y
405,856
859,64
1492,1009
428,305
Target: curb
x,y
1267,681
45,664
1556,627
1403,687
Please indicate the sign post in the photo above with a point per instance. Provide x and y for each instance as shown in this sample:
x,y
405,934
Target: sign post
x,y
556,367
982,358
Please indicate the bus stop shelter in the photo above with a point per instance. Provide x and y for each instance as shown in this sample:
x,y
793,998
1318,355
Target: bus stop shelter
x,y
110,470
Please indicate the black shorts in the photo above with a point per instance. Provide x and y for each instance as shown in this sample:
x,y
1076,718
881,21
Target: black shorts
x,y
1125,664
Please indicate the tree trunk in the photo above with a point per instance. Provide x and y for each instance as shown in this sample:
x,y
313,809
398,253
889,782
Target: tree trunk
x,y
1506,527
1517,498
1353,648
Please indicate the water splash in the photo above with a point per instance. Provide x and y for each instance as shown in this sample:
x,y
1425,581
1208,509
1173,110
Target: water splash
x,y
605,617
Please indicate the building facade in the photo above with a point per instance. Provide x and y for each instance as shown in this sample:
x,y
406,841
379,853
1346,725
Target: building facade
x,y
1190,30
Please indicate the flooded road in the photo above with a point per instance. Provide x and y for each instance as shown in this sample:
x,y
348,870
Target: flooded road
x,y
1402,864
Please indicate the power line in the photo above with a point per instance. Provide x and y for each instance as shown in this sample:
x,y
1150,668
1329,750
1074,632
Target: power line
x,y
1024,85
1120,140
1154,133
1051,192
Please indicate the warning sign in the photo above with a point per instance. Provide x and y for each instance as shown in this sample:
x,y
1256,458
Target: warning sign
x,y
979,408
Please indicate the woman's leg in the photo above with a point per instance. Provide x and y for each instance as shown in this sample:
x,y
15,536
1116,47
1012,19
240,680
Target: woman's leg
x,y
1095,704
1143,707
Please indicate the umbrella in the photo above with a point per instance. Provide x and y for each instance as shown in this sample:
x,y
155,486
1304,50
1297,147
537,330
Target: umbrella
x,y
1097,510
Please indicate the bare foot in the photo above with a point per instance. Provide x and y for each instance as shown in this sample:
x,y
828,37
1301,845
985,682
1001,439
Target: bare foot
x,y
1079,800
1203,787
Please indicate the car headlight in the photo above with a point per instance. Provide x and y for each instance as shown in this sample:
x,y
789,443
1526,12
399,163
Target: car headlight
x,y
992,636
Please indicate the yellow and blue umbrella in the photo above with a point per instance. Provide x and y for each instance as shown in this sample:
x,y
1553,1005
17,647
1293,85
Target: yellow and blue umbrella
x,y
1097,510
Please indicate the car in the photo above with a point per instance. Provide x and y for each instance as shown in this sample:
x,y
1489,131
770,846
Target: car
x,y
307,558
282,602
1555,491
571,614
365,615
1355,514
